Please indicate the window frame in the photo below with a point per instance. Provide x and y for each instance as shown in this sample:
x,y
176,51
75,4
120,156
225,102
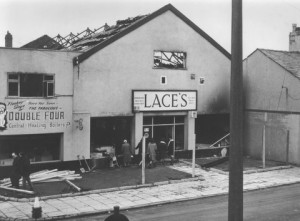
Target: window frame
x,y
45,83
184,63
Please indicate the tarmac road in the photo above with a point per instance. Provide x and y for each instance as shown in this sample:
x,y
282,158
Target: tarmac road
x,y
273,204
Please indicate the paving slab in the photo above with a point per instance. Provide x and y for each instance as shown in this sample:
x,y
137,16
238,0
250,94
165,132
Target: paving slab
x,y
212,182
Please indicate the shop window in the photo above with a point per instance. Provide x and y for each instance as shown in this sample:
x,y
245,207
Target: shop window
x,y
38,147
30,85
169,59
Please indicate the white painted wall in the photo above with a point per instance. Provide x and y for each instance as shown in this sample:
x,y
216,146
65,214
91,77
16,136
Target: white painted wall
x,y
58,63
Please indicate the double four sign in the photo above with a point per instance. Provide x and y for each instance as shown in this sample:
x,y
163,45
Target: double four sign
x,y
143,100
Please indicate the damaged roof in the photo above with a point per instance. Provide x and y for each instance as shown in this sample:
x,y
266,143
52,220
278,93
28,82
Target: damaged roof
x,y
91,41
289,60
94,43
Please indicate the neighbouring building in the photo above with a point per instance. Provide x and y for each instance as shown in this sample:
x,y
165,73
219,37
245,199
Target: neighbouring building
x,y
158,74
272,95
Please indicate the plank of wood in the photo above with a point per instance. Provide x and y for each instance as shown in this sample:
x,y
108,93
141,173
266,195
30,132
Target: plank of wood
x,y
73,185
17,190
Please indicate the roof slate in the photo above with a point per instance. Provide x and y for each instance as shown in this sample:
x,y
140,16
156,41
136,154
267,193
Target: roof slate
x,y
289,60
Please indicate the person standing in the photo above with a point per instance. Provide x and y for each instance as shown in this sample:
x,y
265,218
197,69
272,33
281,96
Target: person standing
x,y
127,153
25,170
15,174
117,216
162,150
171,149
151,150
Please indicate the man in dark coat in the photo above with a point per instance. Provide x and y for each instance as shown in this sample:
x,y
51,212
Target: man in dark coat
x,y
162,150
25,170
171,149
117,216
15,174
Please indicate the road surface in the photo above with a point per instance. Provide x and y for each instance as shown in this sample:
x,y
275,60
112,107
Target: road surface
x,y
274,204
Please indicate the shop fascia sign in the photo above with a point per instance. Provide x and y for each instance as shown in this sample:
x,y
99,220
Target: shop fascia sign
x,y
157,100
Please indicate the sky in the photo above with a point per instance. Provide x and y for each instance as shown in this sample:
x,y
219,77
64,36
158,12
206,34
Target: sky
x,y
266,23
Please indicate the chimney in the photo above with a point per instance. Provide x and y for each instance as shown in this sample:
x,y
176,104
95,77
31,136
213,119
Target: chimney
x,y
294,38
106,27
8,40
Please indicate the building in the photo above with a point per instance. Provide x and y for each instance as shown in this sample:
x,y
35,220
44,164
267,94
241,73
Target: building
x,y
150,74
271,81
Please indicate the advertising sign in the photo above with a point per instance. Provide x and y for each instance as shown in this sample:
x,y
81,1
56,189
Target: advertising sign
x,y
33,114
164,100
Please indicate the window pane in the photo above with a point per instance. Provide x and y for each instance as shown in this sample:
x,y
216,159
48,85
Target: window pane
x,y
50,90
147,120
13,76
12,89
31,85
164,120
179,119
48,77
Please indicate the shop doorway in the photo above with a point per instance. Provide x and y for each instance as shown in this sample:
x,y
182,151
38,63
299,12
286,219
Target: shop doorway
x,y
165,127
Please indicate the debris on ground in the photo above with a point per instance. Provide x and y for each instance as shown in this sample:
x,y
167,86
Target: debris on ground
x,y
46,176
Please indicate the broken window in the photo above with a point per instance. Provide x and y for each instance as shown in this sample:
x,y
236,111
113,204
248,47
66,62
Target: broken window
x,y
169,59
30,85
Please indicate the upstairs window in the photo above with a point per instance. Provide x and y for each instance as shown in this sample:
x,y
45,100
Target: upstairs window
x,y
169,59
30,85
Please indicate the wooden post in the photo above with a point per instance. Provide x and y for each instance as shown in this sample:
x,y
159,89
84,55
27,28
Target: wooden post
x,y
235,198
264,141
264,147
143,159
287,146
194,156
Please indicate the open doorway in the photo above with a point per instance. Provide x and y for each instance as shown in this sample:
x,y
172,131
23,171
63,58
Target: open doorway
x,y
110,131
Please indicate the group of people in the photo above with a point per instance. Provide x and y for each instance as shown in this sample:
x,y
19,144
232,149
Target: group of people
x,y
158,151
154,152
20,168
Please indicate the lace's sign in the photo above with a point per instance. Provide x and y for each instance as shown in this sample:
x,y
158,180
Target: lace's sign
x,y
164,100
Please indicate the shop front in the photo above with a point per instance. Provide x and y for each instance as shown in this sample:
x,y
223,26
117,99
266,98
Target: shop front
x,y
166,115
38,127
165,128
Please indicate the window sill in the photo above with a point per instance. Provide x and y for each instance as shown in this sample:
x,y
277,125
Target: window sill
x,y
172,69
30,98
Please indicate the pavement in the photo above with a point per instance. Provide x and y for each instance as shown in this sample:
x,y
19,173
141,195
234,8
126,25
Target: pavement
x,y
206,183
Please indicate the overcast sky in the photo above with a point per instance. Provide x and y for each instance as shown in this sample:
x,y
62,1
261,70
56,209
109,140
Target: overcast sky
x,y
266,23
